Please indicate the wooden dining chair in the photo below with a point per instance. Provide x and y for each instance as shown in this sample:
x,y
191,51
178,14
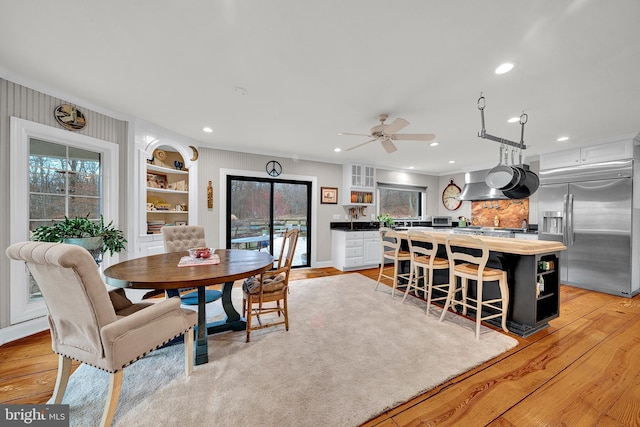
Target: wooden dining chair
x,y
96,327
265,294
468,266
390,242
423,249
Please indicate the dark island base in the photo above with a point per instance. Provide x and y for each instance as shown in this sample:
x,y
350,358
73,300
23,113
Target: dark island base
x,y
529,311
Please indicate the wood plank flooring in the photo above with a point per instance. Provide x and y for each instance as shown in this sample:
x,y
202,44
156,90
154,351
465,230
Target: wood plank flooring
x,y
584,370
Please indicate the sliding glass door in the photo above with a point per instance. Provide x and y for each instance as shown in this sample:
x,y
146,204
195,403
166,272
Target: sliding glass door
x,y
261,209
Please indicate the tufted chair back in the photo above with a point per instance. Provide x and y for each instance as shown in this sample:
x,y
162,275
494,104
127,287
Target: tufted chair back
x,y
183,237
77,299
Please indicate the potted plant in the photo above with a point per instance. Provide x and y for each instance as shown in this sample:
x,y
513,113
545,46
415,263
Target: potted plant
x,y
386,220
96,237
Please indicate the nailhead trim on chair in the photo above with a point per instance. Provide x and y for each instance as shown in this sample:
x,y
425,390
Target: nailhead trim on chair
x,y
130,362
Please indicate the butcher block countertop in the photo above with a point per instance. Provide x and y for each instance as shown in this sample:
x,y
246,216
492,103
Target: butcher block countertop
x,y
506,245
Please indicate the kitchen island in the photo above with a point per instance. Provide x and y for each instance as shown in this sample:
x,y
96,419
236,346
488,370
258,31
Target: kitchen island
x,y
532,267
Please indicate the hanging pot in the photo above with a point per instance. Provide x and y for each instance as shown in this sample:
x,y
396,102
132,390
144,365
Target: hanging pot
x,y
501,176
526,188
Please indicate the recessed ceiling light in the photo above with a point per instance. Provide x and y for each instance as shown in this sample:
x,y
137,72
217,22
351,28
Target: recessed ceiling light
x,y
563,139
433,144
504,68
207,129
337,149
514,120
452,161
411,167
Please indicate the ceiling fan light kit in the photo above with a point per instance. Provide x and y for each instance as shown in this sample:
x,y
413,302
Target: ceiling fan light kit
x,y
388,133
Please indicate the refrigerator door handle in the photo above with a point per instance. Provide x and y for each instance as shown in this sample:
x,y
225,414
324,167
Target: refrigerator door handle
x,y
570,233
564,220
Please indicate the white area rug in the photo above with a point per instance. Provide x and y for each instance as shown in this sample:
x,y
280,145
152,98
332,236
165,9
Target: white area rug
x,y
350,354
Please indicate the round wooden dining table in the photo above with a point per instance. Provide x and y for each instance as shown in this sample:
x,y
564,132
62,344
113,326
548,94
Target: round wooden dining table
x,y
162,272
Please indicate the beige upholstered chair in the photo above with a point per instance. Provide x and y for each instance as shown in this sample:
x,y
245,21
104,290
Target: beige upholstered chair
x,y
473,267
390,241
181,238
423,248
260,294
102,329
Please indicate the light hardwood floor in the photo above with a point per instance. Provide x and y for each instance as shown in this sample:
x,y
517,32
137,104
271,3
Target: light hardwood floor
x,y
584,370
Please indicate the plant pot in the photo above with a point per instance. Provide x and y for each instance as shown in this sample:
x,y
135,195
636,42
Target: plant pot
x,y
92,244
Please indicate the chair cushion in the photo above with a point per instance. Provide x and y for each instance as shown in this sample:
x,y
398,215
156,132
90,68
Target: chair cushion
x,y
270,284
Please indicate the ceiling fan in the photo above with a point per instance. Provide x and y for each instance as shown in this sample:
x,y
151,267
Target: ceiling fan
x,y
386,134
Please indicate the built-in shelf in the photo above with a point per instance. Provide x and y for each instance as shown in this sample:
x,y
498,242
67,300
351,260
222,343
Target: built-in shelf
x,y
160,211
165,190
156,168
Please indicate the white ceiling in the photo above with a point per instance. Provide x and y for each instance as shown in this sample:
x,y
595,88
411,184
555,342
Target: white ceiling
x,y
314,69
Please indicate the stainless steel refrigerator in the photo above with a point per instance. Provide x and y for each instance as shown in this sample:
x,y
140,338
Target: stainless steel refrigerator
x,y
590,209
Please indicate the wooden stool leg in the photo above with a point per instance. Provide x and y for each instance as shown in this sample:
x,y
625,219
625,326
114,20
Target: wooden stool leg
x,y
504,294
413,275
478,308
452,287
395,278
428,289
380,273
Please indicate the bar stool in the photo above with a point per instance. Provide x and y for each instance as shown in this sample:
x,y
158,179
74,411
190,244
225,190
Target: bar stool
x,y
390,242
474,267
424,258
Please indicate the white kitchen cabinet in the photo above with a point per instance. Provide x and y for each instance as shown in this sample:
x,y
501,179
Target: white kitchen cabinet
x,y
586,155
372,249
355,249
359,183
606,152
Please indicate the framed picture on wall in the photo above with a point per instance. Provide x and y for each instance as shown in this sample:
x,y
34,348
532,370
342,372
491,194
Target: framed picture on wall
x,y
329,195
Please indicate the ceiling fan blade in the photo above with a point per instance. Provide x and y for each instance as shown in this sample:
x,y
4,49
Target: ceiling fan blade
x,y
395,126
413,136
360,145
388,145
356,134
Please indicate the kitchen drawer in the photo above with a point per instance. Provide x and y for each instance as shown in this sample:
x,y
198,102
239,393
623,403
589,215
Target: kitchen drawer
x,y
353,262
354,235
353,252
371,234
353,243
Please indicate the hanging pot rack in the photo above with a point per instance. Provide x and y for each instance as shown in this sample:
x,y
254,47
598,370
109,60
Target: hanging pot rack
x,y
483,133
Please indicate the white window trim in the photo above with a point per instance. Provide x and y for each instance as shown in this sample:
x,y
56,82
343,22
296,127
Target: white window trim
x,y
21,308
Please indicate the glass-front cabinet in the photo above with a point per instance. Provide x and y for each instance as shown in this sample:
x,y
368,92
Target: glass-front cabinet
x,y
359,183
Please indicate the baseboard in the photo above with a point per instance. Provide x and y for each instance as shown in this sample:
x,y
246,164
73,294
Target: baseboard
x,y
24,329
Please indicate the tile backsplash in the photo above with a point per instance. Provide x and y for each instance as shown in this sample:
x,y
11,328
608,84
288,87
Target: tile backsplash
x,y
506,213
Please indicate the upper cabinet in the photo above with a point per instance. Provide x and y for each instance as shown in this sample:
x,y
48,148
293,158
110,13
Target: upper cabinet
x,y
586,155
359,182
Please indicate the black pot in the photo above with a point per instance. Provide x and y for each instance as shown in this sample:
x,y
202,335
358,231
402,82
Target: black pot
x,y
517,179
526,187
